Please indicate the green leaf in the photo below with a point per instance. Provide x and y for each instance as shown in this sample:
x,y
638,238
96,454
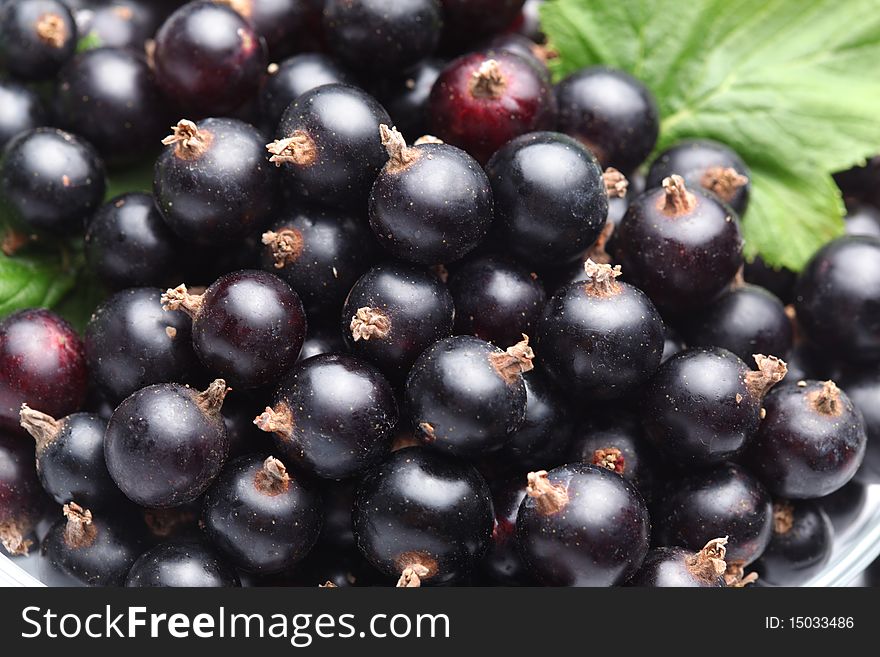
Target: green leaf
x,y
32,281
89,42
791,86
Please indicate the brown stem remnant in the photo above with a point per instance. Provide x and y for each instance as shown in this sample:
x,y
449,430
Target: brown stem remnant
x,y
276,420
549,498
400,156
52,30
287,245
427,139
723,181
826,400
411,577
598,252
211,399
783,517
708,564
600,280
12,539
610,458
368,323
80,531
189,142
179,298
488,81
771,370
515,361
427,430
272,479
677,200
616,183
327,585
44,428
299,149
735,576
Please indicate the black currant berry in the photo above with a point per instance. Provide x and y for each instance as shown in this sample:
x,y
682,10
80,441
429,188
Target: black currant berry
x,y
406,98
800,546
262,518
681,247
611,113
600,339
21,109
22,501
320,253
328,145
208,58
248,326
120,23
779,281
704,405
522,46
282,23
42,362
466,21
836,298
707,164
182,563
165,443
745,320
322,338
382,36
860,220
863,390
581,525
338,532
423,515
483,100
95,551
212,183
503,563
495,299
130,343
723,501
431,203
110,97
845,505
680,568
671,345
811,441
293,77
466,396
70,457
36,37
128,243
393,313
51,180
333,415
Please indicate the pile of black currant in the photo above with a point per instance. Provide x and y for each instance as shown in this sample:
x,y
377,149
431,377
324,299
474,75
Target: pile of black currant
x,y
399,309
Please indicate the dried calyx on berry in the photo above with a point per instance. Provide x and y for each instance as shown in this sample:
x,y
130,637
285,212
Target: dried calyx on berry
x,y
286,245
488,81
601,279
771,370
298,149
723,182
826,400
708,563
515,361
616,184
677,200
189,142
369,323
549,498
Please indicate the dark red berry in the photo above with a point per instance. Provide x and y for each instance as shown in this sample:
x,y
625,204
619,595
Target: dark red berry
x,y
181,563
800,545
681,568
36,37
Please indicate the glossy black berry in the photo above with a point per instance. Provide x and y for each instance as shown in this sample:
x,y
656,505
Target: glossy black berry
x,y
671,345
212,182
181,563
247,327
800,545
581,525
332,415
36,37
42,363
681,246
845,505
21,109
863,220
503,563
96,551
681,568
22,501
863,390
406,97
51,180
704,405
293,77
70,457
746,320
522,46
385,36
779,281
208,58
282,23
128,243
466,20
466,396
320,253
261,517
323,338
393,313
424,516
723,501
611,113
707,164
165,443
811,441
600,339
328,145
130,343
836,298
431,203
482,100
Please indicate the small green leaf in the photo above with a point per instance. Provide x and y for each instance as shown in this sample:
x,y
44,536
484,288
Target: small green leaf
x,y
89,42
789,85
32,281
